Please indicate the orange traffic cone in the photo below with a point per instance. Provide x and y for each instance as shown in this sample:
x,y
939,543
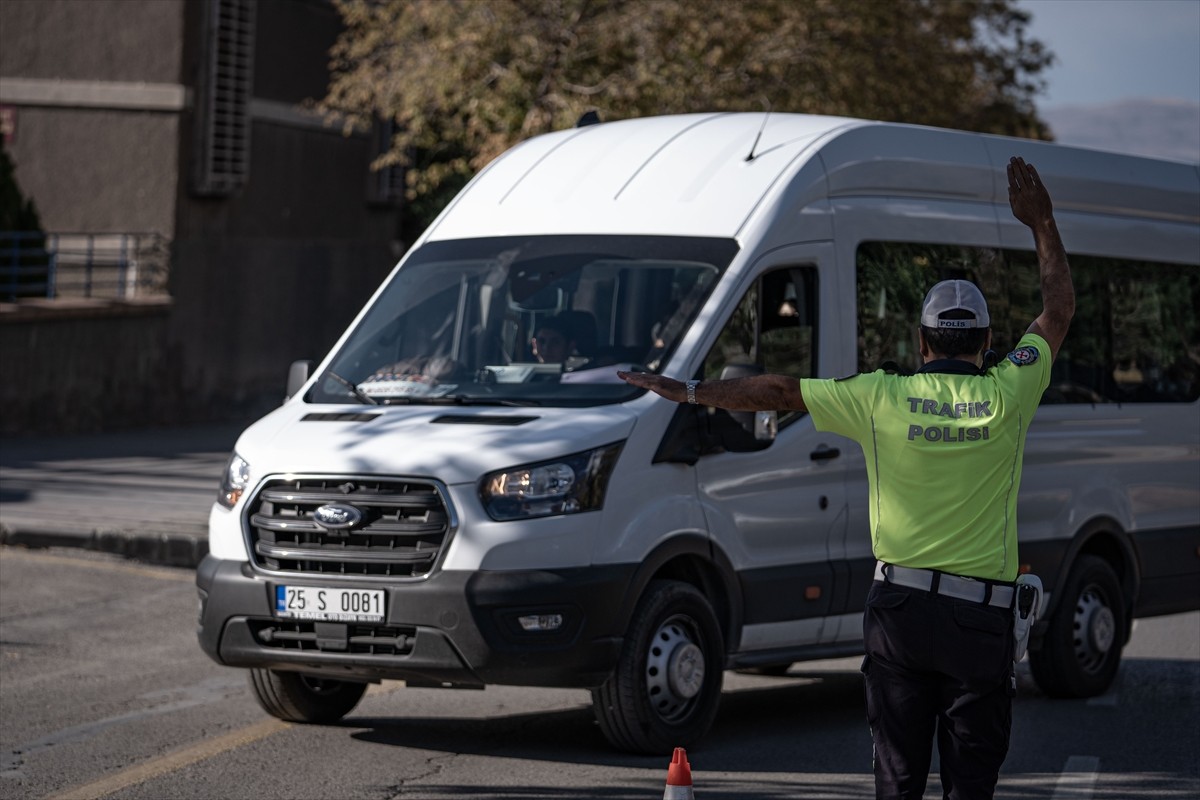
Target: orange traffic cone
x,y
679,777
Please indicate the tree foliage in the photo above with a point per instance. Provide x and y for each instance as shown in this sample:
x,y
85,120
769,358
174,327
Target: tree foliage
x,y
463,80
17,213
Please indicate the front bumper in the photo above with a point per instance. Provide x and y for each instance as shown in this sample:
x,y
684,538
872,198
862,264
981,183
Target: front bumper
x,y
454,628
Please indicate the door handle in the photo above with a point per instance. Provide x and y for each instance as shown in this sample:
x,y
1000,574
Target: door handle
x,y
824,453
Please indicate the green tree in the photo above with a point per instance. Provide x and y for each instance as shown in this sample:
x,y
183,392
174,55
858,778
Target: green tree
x,y
24,263
17,212
466,79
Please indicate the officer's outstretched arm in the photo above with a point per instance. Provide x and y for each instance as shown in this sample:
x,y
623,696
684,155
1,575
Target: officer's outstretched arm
x,y
1031,205
755,393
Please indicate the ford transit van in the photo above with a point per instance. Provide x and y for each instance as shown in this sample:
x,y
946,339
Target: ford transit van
x,y
462,493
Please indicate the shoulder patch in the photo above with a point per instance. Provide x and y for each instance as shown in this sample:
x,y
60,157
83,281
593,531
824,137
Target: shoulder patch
x,y
1024,356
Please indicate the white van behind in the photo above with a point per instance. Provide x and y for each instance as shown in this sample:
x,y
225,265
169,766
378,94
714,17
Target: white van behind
x,y
434,504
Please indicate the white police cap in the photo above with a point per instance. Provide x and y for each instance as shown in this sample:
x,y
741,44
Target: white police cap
x,y
955,296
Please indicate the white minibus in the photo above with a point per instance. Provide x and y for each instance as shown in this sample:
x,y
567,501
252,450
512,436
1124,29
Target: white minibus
x,y
462,493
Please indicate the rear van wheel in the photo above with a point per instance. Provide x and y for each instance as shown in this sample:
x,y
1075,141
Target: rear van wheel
x,y
1081,650
294,697
666,687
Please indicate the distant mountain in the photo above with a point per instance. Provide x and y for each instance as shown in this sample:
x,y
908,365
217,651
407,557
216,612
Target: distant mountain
x,y
1144,127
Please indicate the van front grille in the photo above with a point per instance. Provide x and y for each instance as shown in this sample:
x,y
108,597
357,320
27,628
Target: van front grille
x,y
401,529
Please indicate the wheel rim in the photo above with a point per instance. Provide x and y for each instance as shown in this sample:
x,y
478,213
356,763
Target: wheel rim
x,y
1095,629
674,668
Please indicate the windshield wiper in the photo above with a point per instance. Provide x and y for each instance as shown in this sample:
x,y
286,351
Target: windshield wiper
x,y
471,400
456,400
359,393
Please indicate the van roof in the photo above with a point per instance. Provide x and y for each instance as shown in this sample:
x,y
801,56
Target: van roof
x,y
709,174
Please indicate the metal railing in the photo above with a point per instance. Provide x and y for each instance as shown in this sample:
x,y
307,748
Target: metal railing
x,y
110,266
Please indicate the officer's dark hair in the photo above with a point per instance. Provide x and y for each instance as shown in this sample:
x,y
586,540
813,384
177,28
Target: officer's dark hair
x,y
951,342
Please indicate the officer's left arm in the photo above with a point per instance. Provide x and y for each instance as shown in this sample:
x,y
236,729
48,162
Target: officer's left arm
x,y
1030,202
753,393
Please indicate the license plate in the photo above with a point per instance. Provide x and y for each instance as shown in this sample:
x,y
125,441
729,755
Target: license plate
x,y
325,603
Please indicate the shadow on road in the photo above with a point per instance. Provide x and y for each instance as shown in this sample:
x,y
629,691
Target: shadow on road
x,y
771,713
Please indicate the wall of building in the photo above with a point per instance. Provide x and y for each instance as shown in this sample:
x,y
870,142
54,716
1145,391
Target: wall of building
x,y
93,40
86,367
99,170
93,90
274,271
233,343
104,94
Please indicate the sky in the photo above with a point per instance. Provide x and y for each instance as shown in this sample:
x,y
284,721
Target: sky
x,y
1110,50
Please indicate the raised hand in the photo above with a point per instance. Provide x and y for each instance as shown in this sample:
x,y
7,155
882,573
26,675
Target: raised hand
x,y
1027,194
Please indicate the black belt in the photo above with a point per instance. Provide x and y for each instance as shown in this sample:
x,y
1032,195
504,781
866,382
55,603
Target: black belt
x,y
977,591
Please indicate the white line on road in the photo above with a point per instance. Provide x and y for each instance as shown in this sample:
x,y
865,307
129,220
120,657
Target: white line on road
x,y
1078,778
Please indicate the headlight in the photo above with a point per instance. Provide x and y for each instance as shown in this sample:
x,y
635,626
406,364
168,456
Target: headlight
x,y
565,485
233,481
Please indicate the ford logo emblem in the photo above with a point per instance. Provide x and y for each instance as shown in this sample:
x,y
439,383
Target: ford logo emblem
x,y
337,516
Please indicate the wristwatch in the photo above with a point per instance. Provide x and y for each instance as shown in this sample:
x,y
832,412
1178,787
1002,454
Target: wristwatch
x,y
691,391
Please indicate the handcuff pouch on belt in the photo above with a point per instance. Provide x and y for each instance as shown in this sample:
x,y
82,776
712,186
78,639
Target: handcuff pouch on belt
x,y
1027,604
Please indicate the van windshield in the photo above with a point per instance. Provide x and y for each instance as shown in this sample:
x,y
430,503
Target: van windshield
x,y
525,320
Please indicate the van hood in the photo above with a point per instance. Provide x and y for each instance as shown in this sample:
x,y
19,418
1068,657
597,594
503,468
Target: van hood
x,y
449,444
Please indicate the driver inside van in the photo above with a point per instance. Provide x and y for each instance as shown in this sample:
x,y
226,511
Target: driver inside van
x,y
567,338
552,342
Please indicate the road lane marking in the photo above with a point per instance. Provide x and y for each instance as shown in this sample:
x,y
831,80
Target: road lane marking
x,y
164,701
188,576
172,761
1078,778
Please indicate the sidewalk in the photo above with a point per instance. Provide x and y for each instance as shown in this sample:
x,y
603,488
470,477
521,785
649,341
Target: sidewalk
x,y
143,494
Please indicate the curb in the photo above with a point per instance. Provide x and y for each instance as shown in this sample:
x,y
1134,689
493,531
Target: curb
x,y
162,549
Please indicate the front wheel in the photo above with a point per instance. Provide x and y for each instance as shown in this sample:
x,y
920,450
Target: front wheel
x,y
666,687
294,697
1081,650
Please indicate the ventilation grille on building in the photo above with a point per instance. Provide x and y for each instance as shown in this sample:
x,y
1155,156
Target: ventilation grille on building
x,y
223,97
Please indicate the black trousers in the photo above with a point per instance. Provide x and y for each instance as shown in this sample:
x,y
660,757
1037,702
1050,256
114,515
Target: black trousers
x,y
936,665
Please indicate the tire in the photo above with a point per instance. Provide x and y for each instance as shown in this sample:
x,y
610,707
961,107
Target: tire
x,y
1081,649
666,686
294,697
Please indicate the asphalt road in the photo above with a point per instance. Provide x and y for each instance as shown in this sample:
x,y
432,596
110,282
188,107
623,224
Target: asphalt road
x,y
144,493
104,693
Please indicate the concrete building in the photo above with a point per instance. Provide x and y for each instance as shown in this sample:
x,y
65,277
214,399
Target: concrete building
x,y
208,227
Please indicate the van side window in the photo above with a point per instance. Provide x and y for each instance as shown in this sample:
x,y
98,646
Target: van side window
x,y
773,329
1135,337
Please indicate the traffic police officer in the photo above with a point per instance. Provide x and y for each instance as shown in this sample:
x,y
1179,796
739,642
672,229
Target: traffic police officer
x,y
944,449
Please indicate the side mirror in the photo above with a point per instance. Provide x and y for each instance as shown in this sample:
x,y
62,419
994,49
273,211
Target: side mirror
x,y
749,420
298,374
766,425
754,430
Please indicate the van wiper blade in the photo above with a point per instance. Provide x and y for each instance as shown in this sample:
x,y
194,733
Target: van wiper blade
x,y
474,400
456,400
362,396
